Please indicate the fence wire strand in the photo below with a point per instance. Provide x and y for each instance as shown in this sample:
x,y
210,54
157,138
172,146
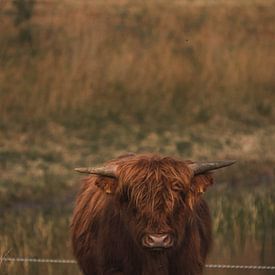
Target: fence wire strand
x,y
67,261
38,260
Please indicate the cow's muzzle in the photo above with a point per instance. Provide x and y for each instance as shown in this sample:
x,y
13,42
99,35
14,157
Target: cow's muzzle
x,y
158,241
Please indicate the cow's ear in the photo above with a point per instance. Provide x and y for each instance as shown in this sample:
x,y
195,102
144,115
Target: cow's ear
x,y
107,184
198,186
200,183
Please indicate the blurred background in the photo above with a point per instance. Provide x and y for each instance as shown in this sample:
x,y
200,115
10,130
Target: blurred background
x,y
84,81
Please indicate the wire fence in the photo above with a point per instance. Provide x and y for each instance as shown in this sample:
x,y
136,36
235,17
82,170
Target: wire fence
x,y
68,261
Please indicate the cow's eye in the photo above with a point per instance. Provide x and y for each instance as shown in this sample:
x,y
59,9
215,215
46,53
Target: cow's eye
x,y
177,186
183,195
134,211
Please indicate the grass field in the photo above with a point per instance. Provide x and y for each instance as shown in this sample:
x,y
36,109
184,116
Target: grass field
x,y
84,81
243,228
181,63
81,82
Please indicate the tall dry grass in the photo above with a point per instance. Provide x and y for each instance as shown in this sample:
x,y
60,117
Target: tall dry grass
x,y
143,64
35,234
148,60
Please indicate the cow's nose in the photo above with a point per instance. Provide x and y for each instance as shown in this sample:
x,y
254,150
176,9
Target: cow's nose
x,y
157,241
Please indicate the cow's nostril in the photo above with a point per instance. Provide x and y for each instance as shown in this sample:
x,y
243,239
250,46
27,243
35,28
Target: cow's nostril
x,y
147,240
167,240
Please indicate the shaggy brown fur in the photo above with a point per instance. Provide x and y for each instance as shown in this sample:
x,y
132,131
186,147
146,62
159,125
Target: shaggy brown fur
x,y
152,194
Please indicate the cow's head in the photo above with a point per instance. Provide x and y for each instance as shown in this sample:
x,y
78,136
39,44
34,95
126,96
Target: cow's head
x,y
155,195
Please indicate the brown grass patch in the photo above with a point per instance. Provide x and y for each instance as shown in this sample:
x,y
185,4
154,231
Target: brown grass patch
x,y
147,60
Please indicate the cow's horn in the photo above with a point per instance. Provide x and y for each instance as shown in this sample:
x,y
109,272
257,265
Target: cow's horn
x,y
107,171
202,167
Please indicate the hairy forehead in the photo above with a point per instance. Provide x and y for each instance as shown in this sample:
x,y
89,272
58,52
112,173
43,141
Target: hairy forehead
x,y
152,169
150,181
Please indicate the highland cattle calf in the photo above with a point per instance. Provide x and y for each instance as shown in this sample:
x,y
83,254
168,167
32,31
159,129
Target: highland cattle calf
x,y
143,215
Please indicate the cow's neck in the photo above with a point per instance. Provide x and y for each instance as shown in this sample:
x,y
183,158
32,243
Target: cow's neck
x,y
155,264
